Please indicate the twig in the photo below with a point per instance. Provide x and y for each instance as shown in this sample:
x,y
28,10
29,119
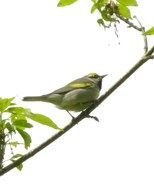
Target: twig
x,y
149,55
144,36
140,29
129,23
150,52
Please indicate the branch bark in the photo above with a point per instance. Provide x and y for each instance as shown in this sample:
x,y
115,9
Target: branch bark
x,y
149,55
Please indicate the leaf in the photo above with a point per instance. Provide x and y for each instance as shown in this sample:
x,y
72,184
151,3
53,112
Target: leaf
x,y
5,103
42,119
93,8
124,11
128,2
19,167
22,124
18,113
18,110
63,3
100,22
10,127
2,124
14,158
150,31
26,137
101,3
106,16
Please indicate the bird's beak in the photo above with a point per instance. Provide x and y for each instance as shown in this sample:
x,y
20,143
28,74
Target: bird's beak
x,y
103,76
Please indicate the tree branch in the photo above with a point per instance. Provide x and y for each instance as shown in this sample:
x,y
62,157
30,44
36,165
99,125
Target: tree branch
x,y
140,29
144,36
149,55
131,24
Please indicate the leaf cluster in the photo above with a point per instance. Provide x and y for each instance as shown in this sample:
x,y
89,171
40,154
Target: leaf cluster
x,y
15,120
108,9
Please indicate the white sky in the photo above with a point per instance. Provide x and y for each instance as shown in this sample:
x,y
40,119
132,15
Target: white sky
x,y
42,47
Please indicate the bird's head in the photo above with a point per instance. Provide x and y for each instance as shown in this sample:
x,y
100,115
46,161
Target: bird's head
x,y
96,78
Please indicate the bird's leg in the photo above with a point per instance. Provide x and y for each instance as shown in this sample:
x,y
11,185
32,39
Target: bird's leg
x,y
70,114
89,116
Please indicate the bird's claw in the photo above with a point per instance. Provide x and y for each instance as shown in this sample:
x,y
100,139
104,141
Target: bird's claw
x,y
93,117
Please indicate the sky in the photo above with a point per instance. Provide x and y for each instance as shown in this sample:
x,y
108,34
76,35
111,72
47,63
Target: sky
x,y
42,48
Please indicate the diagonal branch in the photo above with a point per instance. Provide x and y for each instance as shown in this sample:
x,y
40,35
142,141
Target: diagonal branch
x,y
149,55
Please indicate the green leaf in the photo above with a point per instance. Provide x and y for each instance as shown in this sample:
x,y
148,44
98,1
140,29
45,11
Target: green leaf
x,y
22,124
100,22
18,110
5,103
10,127
63,3
14,158
150,31
98,4
124,11
42,119
26,137
19,167
2,124
93,8
128,2
106,16
18,113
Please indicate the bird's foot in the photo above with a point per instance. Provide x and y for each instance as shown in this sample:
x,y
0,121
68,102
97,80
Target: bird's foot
x,y
89,116
93,117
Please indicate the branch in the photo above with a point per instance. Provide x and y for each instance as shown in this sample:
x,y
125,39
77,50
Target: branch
x,y
144,36
140,29
129,23
149,55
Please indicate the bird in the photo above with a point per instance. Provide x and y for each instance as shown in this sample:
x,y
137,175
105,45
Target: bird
x,y
75,96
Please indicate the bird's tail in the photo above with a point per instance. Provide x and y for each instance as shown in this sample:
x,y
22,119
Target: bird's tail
x,y
33,98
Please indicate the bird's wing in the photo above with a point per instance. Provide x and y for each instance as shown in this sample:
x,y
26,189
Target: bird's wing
x,y
76,84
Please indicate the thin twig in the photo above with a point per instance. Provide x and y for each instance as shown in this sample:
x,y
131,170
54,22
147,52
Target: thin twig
x,y
150,52
149,55
144,36
140,29
129,23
